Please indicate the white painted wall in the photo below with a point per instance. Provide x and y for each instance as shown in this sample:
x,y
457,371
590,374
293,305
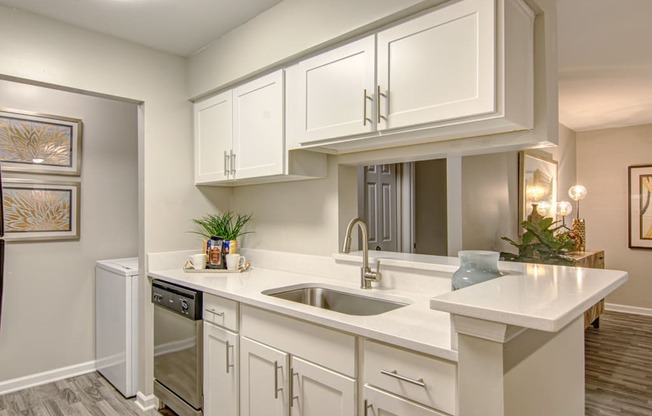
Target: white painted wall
x,y
49,305
603,157
289,29
304,217
45,51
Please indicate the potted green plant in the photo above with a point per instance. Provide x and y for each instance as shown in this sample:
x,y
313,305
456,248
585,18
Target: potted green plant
x,y
542,242
229,226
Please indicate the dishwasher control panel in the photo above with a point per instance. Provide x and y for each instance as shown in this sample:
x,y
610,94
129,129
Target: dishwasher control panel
x,y
178,299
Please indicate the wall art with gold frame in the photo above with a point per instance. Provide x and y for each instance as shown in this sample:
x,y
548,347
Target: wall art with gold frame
x,y
40,143
537,185
640,206
43,210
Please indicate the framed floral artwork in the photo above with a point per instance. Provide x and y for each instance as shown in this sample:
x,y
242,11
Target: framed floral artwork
x,y
40,143
40,210
640,206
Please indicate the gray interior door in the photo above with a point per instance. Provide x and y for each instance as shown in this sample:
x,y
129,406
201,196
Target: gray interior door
x,y
379,206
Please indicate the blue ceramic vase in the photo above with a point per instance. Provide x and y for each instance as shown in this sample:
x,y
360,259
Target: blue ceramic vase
x,y
476,266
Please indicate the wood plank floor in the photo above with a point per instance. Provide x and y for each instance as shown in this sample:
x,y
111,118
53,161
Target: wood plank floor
x,y
619,366
618,379
86,395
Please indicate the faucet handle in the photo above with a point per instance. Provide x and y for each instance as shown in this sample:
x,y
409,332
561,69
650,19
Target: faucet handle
x,y
373,276
378,274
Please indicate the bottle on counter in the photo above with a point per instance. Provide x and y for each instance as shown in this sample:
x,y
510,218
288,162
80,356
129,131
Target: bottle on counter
x,y
215,257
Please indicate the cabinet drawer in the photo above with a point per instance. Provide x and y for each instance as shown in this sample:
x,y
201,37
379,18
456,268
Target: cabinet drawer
x,y
399,371
331,349
378,402
221,311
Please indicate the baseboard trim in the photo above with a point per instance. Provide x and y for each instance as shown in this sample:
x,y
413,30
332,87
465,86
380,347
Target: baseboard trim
x,y
628,309
33,380
146,402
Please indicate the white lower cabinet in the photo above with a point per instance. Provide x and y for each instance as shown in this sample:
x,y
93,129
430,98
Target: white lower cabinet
x,y
420,378
380,403
264,388
281,366
221,371
318,391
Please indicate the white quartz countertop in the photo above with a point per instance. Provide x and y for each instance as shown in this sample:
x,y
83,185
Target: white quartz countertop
x,y
541,297
415,326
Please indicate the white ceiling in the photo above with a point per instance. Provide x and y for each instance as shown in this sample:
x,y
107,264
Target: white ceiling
x,y
605,63
605,46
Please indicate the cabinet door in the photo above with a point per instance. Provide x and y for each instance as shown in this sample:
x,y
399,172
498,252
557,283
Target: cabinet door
x,y
258,143
220,371
317,391
264,373
336,90
438,67
379,403
213,138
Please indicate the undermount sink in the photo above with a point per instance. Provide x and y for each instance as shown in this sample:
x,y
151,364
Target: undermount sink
x,y
331,299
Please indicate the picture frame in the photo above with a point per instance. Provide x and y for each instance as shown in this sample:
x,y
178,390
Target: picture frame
x,y
40,143
41,210
640,206
538,181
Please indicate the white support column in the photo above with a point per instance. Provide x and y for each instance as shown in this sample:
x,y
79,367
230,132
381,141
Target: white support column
x,y
510,371
454,203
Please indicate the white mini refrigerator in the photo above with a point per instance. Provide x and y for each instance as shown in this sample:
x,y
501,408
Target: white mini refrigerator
x,y
116,323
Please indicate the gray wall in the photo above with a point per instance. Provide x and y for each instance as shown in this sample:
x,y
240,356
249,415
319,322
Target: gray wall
x,y
49,299
602,160
430,204
490,193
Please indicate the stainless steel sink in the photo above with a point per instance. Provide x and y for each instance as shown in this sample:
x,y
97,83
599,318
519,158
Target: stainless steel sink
x,y
336,300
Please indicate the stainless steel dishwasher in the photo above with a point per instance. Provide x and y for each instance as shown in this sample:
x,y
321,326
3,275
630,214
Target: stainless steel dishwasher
x,y
178,347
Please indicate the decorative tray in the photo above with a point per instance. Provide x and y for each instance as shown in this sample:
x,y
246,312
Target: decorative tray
x,y
188,269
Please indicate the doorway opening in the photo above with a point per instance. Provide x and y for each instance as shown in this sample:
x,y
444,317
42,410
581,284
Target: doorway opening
x,y
405,206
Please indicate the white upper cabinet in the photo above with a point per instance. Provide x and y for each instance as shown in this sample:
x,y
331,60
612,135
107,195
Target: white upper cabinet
x,y
240,137
439,66
336,89
213,137
258,145
463,69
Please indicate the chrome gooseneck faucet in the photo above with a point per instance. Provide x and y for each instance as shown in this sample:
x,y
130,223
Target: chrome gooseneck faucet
x,y
366,275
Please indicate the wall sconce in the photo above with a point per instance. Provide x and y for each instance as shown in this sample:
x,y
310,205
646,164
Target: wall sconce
x,y
578,193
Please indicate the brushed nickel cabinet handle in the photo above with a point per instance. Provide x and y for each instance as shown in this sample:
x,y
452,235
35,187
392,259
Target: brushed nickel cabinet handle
x,y
378,103
366,407
292,396
291,386
365,97
232,162
276,389
228,364
214,312
395,374
227,168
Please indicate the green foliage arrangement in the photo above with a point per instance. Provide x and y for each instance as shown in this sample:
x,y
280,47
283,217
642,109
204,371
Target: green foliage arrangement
x,y
228,225
542,243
